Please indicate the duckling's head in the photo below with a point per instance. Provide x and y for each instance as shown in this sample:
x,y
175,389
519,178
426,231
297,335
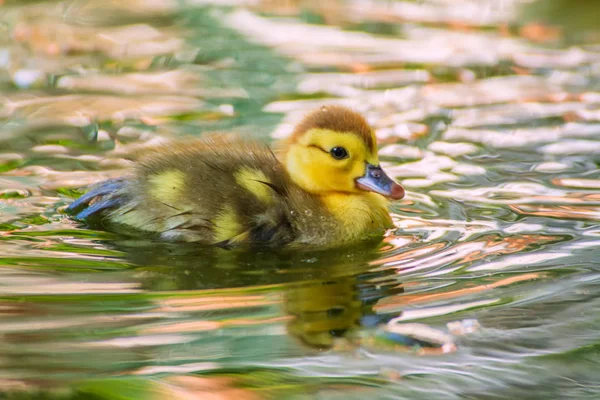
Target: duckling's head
x,y
333,150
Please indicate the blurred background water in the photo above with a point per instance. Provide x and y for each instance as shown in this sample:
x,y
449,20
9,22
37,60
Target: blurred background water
x,y
488,112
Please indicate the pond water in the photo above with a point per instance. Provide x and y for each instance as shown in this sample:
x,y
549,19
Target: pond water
x,y
487,111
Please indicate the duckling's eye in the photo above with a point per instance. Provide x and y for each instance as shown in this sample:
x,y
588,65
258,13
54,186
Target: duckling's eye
x,y
339,153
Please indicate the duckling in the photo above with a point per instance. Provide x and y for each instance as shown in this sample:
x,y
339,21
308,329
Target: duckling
x,y
324,188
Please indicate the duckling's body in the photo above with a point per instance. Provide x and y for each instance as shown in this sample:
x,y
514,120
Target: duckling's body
x,y
230,191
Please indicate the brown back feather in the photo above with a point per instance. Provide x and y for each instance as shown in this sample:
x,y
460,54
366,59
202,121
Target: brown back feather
x,y
339,119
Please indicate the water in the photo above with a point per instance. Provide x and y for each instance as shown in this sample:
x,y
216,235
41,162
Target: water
x,y
488,289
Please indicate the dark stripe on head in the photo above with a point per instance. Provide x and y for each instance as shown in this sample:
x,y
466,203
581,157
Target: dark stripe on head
x,y
338,119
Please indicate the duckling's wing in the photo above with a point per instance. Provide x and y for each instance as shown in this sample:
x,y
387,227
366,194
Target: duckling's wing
x,y
237,187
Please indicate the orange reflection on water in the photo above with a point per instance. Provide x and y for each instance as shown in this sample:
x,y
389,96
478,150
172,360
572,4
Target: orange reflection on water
x,y
435,255
409,255
210,303
47,37
196,326
517,243
570,212
391,303
187,387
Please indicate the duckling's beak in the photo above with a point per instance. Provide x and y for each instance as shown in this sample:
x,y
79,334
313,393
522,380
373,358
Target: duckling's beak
x,y
376,180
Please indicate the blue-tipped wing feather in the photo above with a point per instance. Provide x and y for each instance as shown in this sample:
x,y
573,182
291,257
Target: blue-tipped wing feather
x,y
96,207
101,196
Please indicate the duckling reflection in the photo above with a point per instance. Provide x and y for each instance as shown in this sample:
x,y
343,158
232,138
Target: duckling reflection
x,y
187,266
328,293
324,311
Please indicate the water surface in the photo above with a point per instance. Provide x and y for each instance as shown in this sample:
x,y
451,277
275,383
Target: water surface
x,y
488,112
